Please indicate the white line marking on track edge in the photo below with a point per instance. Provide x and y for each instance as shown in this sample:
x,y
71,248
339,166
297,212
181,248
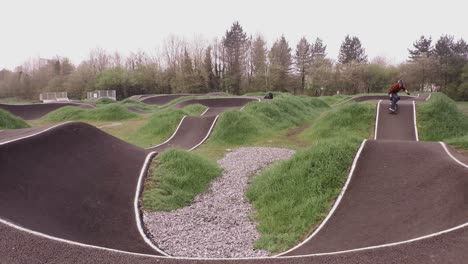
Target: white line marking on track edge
x,y
204,112
207,134
451,156
414,121
138,220
35,134
173,134
335,205
377,120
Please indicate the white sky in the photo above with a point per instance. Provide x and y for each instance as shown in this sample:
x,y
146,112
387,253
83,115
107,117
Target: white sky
x,y
46,28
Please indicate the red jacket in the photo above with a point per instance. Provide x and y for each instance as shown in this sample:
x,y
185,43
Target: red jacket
x,y
396,88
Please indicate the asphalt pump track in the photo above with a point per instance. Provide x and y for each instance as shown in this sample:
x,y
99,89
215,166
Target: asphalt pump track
x,y
36,111
404,202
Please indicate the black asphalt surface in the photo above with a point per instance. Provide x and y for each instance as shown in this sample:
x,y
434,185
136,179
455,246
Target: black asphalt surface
x,y
161,99
191,132
73,182
401,189
36,111
399,126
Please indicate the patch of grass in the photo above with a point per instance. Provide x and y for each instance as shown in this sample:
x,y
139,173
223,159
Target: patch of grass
x,y
262,119
9,121
349,119
16,100
463,106
295,195
439,119
194,109
111,112
139,105
334,99
176,177
161,125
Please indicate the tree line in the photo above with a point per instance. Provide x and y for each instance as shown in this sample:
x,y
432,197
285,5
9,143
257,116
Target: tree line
x,y
238,63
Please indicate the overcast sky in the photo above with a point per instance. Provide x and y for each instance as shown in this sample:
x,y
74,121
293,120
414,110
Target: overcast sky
x,y
46,28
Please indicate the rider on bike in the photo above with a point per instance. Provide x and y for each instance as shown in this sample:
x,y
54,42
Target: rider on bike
x,y
393,93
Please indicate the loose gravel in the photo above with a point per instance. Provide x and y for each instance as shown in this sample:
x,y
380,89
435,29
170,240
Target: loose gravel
x,y
218,223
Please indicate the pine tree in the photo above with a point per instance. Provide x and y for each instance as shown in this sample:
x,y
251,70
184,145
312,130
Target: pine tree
x,y
318,50
259,62
352,50
422,47
234,42
302,60
281,61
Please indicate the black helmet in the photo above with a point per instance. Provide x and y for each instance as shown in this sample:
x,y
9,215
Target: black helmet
x,y
401,83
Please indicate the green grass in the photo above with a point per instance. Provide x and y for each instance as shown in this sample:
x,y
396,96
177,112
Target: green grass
x,y
161,125
463,106
345,120
176,177
9,121
111,112
263,119
293,196
335,99
139,105
16,100
440,119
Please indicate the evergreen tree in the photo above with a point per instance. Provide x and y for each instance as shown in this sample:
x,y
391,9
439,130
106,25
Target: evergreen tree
x,y
234,42
281,61
352,50
302,60
318,50
422,47
259,62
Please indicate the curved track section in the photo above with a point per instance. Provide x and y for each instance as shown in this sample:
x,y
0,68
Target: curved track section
x,y
161,99
397,193
36,111
228,102
191,132
87,197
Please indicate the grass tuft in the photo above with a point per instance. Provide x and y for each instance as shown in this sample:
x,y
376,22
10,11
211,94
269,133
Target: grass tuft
x,y
440,119
9,121
111,112
177,179
261,119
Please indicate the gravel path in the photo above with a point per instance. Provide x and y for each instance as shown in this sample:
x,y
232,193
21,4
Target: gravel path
x,y
217,224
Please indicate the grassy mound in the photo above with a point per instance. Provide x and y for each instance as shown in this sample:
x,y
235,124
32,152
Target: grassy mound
x,y
9,121
295,195
259,119
161,125
440,119
176,178
335,99
139,105
350,120
111,112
